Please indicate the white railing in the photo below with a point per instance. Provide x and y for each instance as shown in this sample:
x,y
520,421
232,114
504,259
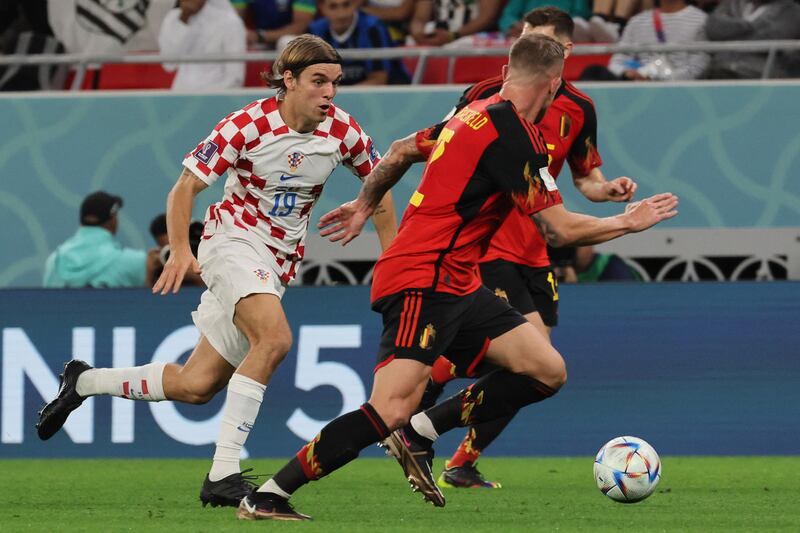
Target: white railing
x,y
685,254
82,62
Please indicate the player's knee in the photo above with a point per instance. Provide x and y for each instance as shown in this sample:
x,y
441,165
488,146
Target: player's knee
x,y
395,414
552,371
396,420
555,375
273,348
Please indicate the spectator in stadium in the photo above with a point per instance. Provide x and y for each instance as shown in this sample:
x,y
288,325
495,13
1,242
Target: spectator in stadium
x,y
439,22
490,159
707,5
201,27
753,20
512,18
24,30
396,14
94,27
277,153
608,19
345,26
596,266
158,229
584,264
275,20
93,257
103,27
674,22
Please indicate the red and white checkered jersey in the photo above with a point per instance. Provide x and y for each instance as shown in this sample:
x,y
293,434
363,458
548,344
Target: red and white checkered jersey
x,y
275,174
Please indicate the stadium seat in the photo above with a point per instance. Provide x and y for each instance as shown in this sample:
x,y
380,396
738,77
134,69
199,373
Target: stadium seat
x,y
123,76
435,69
134,76
88,79
252,74
475,69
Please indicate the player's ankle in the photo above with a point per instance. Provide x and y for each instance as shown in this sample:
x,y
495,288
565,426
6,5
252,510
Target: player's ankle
x,y
461,459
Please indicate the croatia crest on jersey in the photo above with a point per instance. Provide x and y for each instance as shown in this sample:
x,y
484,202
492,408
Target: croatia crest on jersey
x,y
295,158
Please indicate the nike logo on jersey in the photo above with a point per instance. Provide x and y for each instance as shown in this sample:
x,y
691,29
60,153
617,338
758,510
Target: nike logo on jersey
x,y
285,177
245,426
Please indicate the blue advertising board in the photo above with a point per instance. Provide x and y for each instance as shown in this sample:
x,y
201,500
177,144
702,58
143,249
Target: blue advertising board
x,y
696,369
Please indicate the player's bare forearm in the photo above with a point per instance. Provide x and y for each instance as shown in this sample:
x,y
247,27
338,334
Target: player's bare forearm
x,y
591,185
401,155
596,188
346,222
179,208
560,227
385,220
580,230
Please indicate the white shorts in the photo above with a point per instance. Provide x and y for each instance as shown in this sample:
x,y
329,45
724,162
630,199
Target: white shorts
x,y
232,268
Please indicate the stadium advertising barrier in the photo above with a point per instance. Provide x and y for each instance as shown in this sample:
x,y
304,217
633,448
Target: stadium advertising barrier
x,y
728,150
695,369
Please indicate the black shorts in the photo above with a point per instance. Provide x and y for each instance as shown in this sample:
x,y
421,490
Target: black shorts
x,y
422,325
527,289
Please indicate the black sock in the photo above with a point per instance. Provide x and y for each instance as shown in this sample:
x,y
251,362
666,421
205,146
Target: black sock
x,y
336,445
486,432
496,395
412,435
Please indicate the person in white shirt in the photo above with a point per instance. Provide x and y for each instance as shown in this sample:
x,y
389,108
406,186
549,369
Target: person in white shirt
x,y
201,27
673,22
107,28
277,154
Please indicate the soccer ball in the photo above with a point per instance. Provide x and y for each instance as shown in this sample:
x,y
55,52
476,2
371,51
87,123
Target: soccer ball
x,y
627,469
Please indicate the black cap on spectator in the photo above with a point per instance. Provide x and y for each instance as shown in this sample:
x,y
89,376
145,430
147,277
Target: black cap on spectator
x,y
99,207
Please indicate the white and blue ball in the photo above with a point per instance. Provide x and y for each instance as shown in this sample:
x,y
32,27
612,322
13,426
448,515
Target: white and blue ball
x,y
627,469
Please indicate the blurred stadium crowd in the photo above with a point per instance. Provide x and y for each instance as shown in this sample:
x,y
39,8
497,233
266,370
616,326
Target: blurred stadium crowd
x,y
198,27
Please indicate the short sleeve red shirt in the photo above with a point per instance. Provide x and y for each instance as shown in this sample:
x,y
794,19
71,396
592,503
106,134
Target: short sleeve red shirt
x,y
486,162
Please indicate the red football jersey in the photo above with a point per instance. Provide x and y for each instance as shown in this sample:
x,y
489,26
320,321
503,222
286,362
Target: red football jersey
x,y
570,131
486,162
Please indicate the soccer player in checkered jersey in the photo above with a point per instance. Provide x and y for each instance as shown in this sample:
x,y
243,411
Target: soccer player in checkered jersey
x,y
489,160
516,265
277,153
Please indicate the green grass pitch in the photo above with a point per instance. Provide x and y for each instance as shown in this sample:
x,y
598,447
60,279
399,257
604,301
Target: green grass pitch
x,y
538,494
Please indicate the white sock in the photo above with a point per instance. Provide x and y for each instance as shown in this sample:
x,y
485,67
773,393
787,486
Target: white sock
x,y
271,486
135,383
241,409
423,425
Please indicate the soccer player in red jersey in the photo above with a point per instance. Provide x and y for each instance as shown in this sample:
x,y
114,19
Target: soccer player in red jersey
x,y
489,160
516,265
